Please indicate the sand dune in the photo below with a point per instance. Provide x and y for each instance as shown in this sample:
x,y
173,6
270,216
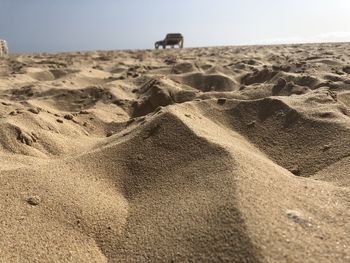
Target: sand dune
x,y
230,154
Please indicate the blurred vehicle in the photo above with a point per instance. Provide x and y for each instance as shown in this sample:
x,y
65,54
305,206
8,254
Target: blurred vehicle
x,y
171,40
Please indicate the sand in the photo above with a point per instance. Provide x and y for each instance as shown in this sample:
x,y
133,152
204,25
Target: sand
x,y
223,154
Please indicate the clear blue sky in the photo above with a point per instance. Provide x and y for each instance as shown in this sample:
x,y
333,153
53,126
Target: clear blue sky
x,y
66,25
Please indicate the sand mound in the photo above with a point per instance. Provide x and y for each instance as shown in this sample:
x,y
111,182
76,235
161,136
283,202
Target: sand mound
x,y
258,76
205,83
48,75
184,67
231,154
159,92
272,124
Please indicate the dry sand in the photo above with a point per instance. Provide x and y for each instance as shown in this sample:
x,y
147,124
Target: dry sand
x,y
231,154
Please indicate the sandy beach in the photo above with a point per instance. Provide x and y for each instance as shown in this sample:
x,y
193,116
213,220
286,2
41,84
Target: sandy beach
x,y
221,154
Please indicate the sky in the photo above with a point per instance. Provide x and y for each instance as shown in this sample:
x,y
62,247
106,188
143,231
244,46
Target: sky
x,y
72,25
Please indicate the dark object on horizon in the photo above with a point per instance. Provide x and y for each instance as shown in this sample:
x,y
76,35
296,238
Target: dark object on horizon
x,y
171,40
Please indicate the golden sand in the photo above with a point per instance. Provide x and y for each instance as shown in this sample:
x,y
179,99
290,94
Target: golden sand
x,y
230,154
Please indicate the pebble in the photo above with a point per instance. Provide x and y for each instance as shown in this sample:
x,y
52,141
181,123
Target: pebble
x,y
34,110
16,112
68,117
221,101
34,200
295,216
326,147
295,170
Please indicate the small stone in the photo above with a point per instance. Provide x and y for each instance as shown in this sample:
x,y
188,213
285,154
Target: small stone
x,y
221,101
295,216
83,112
34,200
68,117
109,134
281,82
34,110
326,147
295,170
119,102
59,121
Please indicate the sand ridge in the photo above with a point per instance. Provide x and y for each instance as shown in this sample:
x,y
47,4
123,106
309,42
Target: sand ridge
x,y
221,154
